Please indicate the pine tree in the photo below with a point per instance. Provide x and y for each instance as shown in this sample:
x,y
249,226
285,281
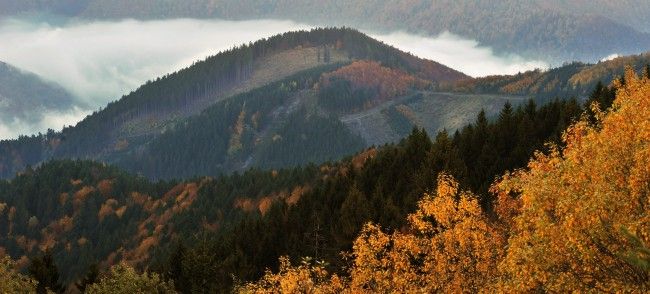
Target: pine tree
x,y
326,54
176,271
44,271
91,277
355,211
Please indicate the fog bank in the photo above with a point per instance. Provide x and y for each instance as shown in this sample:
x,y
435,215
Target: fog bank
x,y
460,54
41,121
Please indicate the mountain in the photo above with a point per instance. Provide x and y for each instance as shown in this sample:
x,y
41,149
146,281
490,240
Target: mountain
x,y
240,128
629,12
253,98
25,98
555,31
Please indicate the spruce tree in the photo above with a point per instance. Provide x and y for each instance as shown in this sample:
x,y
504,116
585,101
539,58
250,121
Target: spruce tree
x,y
44,271
91,277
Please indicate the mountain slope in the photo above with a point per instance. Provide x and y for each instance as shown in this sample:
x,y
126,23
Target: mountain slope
x,y
630,12
230,113
574,79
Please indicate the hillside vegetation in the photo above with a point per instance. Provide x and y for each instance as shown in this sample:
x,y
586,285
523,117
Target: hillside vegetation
x,y
574,79
587,231
208,229
336,92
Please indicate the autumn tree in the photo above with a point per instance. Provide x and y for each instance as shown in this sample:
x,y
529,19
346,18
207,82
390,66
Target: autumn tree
x,y
451,247
575,205
308,277
44,271
11,281
123,279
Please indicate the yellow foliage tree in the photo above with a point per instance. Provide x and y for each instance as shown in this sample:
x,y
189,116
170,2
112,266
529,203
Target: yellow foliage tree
x,y
576,205
308,277
124,279
12,281
452,248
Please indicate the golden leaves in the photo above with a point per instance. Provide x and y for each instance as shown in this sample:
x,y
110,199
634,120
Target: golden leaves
x,y
566,235
453,248
308,277
11,280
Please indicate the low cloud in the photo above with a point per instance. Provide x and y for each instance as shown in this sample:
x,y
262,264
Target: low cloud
x,y
610,57
461,54
55,120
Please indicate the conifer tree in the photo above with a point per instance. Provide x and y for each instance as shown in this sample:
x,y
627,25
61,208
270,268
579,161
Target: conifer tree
x,y
91,277
44,271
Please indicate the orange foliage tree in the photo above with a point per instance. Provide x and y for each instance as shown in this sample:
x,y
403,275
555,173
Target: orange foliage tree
x,y
451,246
308,277
576,205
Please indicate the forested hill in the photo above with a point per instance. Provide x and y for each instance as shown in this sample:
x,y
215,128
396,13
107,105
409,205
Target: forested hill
x,y
170,98
573,79
290,64
201,232
553,30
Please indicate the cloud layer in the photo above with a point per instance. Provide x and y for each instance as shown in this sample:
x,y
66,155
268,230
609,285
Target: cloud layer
x,y
46,120
100,61
461,54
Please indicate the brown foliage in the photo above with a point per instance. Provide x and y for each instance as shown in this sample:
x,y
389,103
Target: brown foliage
x,y
120,211
63,198
359,160
372,75
80,196
105,187
139,198
106,209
